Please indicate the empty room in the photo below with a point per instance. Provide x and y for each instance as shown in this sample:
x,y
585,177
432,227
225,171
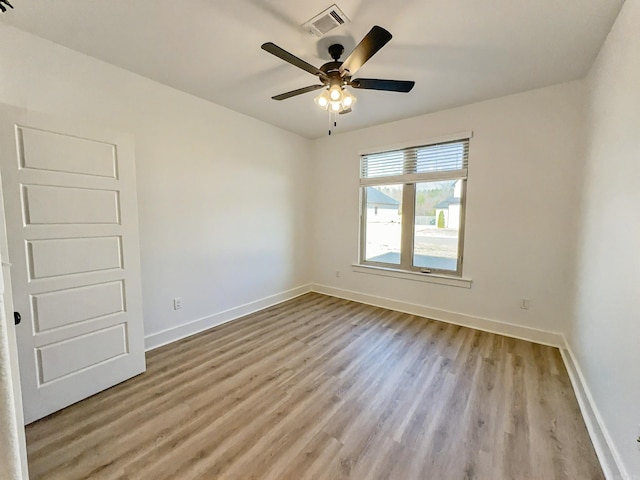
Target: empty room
x,y
267,239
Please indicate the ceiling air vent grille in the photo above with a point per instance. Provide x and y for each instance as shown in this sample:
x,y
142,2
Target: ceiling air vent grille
x,y
326,21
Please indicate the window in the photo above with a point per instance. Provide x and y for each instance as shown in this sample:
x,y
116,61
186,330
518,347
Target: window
x,y
413,203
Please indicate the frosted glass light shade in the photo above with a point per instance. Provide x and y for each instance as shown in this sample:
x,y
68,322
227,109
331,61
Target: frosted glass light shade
x,y
335,93
322,100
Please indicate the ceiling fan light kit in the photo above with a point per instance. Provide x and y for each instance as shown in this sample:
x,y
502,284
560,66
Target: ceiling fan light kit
x,y
336,75
336,98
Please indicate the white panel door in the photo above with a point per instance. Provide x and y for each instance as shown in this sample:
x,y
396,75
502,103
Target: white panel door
x,y
72,238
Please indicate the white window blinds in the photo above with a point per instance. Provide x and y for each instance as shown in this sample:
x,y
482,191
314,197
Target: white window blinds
x,y
413,164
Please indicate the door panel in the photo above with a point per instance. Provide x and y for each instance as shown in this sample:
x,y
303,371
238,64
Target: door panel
x,y
72,231
66,256
46,150
65,205
65,307
62,358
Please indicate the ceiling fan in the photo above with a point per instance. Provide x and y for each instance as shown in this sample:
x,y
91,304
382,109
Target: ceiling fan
x,y
336,75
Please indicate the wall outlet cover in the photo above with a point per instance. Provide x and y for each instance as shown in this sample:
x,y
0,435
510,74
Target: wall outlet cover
x,y
177,303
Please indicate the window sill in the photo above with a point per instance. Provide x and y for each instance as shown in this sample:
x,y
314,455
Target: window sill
x,y
415,276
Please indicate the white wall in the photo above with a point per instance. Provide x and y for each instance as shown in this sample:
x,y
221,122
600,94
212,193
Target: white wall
x,y
605,335
12,442
524,171
221,195
13,445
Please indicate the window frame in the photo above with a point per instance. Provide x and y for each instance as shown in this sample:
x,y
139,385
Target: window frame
x,y
408,180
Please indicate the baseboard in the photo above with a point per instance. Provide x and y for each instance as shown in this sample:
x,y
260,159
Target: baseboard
x,y
479,323
179,332
608,455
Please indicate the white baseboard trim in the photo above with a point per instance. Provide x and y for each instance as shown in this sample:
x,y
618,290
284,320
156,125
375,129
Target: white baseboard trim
x,y
179,332
479,323
608,455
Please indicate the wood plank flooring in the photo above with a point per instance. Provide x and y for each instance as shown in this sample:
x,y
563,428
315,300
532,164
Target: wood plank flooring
x,y
324,388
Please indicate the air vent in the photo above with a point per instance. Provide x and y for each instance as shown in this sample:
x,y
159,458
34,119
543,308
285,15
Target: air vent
x,y
326,21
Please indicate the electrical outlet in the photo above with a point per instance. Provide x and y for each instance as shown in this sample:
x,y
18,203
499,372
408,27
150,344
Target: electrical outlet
x,y
177,303
337,273
524,303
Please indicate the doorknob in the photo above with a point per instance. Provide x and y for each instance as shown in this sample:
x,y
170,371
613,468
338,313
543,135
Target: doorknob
x,y
17,318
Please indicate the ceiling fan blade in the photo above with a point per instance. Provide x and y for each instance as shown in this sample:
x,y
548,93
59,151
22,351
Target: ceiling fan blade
x,y
273,49
299,91
344,112
367,48
387,85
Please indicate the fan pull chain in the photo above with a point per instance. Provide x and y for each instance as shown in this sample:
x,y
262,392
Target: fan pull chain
x,y
333,118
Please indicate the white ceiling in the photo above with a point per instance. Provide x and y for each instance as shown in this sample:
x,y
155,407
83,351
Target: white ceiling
x,y
457,51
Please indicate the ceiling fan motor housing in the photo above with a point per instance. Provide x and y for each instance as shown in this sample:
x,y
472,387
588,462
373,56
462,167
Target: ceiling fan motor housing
x,y
336,51
332,69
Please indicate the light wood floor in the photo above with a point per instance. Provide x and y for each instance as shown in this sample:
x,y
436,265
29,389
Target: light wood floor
x,y
324,388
